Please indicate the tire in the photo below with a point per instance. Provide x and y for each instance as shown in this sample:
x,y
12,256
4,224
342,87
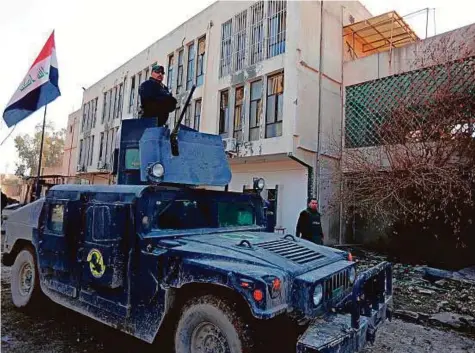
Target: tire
x,y
212,323
26,293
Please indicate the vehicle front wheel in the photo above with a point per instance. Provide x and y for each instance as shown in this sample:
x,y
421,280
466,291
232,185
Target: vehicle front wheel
x,y
209,324
24,280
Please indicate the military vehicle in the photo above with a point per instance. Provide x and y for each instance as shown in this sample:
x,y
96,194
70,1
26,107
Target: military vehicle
x,y
170,246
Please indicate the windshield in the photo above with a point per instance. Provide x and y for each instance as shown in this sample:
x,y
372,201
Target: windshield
x,y
193,213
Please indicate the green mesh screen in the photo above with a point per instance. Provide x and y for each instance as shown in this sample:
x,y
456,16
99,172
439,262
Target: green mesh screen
x,y
369,103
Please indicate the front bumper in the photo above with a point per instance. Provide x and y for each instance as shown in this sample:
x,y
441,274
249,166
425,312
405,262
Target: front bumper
x,y
370,306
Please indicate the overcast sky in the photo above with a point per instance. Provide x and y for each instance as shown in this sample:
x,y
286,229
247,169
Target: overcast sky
x,y
93,37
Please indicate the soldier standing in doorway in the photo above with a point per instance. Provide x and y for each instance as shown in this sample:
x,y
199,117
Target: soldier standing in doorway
x,y
309,224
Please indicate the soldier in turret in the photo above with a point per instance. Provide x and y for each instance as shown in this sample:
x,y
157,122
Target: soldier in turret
x,y
156,101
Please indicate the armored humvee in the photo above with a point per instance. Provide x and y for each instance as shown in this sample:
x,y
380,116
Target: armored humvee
x,y
158,249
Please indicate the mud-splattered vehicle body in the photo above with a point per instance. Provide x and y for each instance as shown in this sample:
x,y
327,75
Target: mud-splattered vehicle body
x,y
155,249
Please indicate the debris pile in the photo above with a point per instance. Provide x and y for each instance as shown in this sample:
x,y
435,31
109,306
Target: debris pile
x,y
426,295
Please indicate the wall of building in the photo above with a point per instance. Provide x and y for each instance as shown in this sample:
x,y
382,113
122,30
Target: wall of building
x,y
69,164
444,47
290,179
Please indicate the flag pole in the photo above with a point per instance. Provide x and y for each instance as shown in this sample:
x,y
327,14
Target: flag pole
x,y
38,193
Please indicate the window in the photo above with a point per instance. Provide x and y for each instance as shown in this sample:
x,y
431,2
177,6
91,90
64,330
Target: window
x,y
255,110
101,146
139,82
223,112
111,106
170,72
55,219
114,106
257,33
182,214
201,61
84,116
196,124
190,71
239,55
132,94
106,153
235,214
94,112
180,72
238,113
104,107
146,73
132,158
81,153
226,49
275,100
188,116
276,27
120,101
91,154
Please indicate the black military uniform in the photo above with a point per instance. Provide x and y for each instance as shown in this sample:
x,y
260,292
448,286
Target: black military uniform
x,y
310,226
156,101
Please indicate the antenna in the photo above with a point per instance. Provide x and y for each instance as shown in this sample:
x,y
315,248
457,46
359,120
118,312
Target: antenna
x,y
174,134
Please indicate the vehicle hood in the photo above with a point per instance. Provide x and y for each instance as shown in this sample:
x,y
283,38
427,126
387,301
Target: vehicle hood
x,y
246,248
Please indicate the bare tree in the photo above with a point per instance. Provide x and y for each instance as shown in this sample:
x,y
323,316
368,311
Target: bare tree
x,y
420,171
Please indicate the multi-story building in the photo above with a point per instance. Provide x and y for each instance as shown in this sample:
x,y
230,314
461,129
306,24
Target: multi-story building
x,y
69,164
269,81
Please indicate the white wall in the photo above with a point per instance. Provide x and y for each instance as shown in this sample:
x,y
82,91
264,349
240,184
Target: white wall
x,y
292,191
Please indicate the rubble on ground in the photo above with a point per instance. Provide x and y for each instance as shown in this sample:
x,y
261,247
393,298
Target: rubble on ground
x,y
422,295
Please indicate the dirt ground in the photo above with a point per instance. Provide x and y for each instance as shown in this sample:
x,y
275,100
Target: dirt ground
x,y
55,329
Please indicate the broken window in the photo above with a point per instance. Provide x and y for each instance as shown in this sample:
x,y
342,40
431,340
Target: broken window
x,y
240,21
201,61
132,95
275,103
180,72
223,112
190,70
276,26
170,72
238,113
257,33
196,123
226,49
255,110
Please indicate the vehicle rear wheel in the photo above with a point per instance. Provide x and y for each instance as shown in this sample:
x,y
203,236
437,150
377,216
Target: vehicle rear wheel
x,y
24,280
210,325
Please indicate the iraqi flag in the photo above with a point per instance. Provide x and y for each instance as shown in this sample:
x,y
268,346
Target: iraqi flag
x,y
39,87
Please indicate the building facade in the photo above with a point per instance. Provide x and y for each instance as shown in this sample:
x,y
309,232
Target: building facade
x,y
69,164
269,81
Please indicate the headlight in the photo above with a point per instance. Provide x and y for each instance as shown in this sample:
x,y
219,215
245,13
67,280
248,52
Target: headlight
x,y
317,294
259,184
352,275
157,170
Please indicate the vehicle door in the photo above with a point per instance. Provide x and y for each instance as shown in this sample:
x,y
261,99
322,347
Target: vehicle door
x,y
105,254
57,245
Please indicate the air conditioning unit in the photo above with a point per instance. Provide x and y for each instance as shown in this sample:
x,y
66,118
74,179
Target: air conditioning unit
x,y
229,144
